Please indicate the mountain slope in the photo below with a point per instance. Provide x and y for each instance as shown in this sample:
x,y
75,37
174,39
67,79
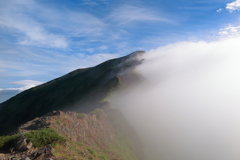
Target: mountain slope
x,y
80,90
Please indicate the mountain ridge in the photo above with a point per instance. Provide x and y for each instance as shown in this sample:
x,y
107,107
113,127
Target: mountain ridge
x,y
80,90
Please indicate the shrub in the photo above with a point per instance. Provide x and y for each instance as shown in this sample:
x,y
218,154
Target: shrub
x,y
6,140
81,115
58,122
43,137
97,112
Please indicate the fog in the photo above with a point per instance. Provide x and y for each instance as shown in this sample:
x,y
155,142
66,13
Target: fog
x,y
188,105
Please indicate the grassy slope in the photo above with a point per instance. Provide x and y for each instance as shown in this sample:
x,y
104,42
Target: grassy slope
x,y
94,136
81,89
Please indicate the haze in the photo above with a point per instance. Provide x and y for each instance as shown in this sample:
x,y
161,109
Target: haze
x,y
187,108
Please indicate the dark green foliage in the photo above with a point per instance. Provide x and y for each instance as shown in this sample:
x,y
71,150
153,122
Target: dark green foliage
x,y
81,115
7,140
43,137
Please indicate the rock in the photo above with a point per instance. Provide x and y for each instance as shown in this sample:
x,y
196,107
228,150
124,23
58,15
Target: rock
x,y
41,153
26,158
11,150
21,145
16,158
29,145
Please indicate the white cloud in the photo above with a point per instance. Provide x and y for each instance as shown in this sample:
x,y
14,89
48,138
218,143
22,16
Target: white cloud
x,y
127,14
16,16
103,47
26,84
94,2
10,92
90,49
219,10
90,2
39,25
32,62
233,6
229,31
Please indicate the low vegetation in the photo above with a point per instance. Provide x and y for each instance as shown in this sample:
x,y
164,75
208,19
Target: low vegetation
x,y
58,122
7,140
97,112
81,115
43,137
91,151
122,145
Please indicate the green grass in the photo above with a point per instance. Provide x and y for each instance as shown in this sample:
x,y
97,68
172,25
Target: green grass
x,y
91,151
103,157
58,122
122,145
81,115
6,140
43,137
97,112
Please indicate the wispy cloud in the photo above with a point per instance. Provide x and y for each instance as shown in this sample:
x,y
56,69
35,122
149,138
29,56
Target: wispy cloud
x,y
30,62
219,10
95,2
26,84
90,2
42,26
103,47
126,14
233,6
15,16
229,31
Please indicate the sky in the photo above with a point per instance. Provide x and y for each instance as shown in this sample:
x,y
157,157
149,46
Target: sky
x,y
41,40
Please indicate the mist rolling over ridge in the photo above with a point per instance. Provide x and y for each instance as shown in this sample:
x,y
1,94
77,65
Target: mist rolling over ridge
x,y
120,80
187,107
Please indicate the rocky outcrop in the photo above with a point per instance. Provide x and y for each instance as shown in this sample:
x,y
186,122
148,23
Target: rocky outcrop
x,y
21,145
22,149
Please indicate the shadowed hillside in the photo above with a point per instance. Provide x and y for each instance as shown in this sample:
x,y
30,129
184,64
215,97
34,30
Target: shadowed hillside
x,y
80,90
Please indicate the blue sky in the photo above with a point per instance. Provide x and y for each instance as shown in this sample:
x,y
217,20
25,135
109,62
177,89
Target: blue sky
x,y
41,39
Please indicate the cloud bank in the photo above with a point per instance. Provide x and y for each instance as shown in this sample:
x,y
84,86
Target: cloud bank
x,y
187,108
